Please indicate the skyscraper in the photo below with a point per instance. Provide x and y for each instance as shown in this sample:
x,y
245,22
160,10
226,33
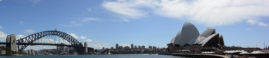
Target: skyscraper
x,y
132,46
117,46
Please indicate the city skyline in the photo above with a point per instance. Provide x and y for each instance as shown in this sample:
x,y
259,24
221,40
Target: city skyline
x,y
103,23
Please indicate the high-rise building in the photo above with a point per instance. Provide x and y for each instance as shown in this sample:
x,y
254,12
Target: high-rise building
x,y
117,46
143,47
132,46
150,47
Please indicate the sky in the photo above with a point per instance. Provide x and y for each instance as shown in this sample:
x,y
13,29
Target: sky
x,y
103,23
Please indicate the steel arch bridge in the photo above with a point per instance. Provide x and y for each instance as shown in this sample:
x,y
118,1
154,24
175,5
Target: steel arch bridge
x,y
28,40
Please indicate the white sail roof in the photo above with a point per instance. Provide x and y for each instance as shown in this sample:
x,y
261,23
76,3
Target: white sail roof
x,y
204,41
187,35
205,35
190,35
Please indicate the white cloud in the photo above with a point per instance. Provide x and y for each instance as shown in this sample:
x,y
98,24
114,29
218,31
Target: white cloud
x,y
125,8
98,45
83,37
122,44
88,40
74,35
208,12
20,36
252,22
256,22
263,24
1,27
3,35
80,22
29,31
89,19
78,37
89,9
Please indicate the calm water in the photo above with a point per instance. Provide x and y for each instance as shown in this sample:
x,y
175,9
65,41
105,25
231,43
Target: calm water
x,y
99,56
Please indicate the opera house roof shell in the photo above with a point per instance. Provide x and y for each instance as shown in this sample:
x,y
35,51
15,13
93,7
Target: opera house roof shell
x,y
190,35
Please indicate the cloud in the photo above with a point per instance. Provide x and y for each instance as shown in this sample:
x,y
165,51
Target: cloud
x,y
74,35
88,40
207,12
3,35
83,38
1,27
122,44
89,19
80,22
263,24
256,22
122,7
252,22
97,45
29,31
89,9
91,43
20,36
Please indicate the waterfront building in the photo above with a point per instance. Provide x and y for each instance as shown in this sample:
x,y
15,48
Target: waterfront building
x,y
2,50
62,48
189,37
135,50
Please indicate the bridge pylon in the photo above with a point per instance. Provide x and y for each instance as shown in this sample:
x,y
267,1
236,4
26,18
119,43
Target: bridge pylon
x,y
85,48
11,44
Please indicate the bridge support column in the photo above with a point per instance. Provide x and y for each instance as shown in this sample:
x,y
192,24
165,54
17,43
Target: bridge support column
x,y
11,45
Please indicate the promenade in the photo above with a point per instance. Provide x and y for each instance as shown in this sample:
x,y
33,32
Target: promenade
x,y
200,55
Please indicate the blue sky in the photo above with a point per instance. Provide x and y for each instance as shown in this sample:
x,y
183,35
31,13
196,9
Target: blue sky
x,y
103,23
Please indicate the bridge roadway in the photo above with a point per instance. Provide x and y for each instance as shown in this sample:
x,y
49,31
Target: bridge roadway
x,y
3,43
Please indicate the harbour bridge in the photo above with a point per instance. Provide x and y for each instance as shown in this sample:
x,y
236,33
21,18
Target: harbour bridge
x,y
20,44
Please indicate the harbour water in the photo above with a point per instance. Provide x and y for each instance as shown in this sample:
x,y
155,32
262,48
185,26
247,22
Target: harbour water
x,y
99,56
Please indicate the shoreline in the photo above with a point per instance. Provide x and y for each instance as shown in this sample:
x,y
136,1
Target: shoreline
x,y
200,55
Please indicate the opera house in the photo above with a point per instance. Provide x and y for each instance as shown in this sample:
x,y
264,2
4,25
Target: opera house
x,y
190,37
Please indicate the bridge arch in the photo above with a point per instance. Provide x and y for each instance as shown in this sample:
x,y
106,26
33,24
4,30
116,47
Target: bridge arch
x,y
36,36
